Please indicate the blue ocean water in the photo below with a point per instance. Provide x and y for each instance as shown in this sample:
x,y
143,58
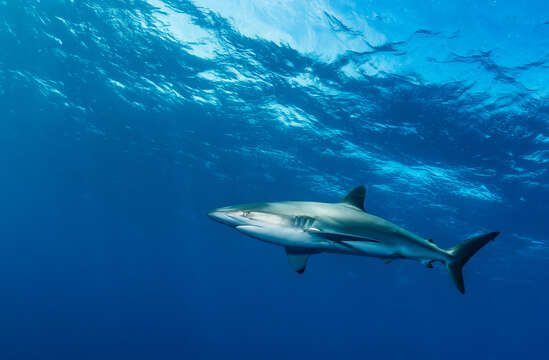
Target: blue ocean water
x,y
123,122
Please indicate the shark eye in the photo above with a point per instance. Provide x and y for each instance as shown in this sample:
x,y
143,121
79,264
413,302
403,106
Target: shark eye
x,y
246,213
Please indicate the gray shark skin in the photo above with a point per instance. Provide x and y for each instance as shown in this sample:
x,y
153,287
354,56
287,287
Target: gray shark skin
x,y
308,228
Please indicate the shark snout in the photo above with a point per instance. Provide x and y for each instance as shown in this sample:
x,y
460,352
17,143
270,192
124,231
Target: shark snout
x,y
225,216
217,215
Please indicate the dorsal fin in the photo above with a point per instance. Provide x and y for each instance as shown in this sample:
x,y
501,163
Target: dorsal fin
x,y
356,197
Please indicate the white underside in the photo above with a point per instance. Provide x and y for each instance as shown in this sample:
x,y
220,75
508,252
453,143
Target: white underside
x,y
297,238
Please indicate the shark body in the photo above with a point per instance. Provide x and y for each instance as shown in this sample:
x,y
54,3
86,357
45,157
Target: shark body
x,y
308,228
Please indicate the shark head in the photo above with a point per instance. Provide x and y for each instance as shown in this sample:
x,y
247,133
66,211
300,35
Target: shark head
x,y
276,223
231,215
246,215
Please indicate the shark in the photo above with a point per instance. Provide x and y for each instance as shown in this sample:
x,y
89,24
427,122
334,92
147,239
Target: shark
x,y
306,228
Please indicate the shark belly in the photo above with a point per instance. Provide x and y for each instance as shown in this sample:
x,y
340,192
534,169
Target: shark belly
x,y
292,237
284,236
364,248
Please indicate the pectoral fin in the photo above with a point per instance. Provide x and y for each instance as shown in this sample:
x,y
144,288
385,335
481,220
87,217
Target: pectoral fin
x,y
297,258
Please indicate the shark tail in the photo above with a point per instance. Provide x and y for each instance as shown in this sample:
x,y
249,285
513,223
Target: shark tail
x,y
461,253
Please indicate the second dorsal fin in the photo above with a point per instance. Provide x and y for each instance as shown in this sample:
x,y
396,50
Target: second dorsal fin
x,y
356,197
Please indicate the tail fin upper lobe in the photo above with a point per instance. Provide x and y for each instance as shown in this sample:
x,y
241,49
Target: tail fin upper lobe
x,y
461,253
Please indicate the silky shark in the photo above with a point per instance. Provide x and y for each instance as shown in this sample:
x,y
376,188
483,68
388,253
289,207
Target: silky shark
x,y
308,228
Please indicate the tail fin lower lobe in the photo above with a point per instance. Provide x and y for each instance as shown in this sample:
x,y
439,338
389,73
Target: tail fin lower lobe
x,y
461,253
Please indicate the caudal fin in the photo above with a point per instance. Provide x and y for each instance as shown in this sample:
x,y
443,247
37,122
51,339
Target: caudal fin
x,y
461,253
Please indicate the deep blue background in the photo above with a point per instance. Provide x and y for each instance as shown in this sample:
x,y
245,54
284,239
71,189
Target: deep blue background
x,y
117,136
